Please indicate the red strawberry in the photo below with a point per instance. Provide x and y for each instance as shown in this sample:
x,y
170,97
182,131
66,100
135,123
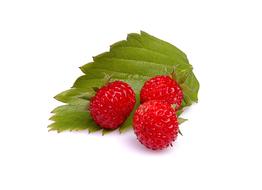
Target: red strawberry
x,y
112,104
155,124
162,88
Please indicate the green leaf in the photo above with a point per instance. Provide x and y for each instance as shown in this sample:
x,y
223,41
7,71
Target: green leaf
x,y
67,95
73,93
72,117
156,44
134,60
138,67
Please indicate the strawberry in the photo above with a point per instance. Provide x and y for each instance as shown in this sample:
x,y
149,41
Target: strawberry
x,y
112,104
162,88
155,124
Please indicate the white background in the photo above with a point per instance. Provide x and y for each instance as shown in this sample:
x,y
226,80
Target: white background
x,y
42,44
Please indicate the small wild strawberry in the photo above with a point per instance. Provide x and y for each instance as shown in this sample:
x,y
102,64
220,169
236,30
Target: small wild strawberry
x,y
112,104
155,124
162,88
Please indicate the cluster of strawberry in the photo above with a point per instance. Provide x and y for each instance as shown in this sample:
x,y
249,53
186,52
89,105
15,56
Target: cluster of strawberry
x,y
155,121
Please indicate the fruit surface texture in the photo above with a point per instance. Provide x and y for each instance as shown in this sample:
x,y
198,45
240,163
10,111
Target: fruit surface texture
x,y
112,104
162,88
155,124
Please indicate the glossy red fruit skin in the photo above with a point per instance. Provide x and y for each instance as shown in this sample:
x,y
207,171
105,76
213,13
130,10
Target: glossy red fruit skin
x,y
112,104
155,124
162,88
